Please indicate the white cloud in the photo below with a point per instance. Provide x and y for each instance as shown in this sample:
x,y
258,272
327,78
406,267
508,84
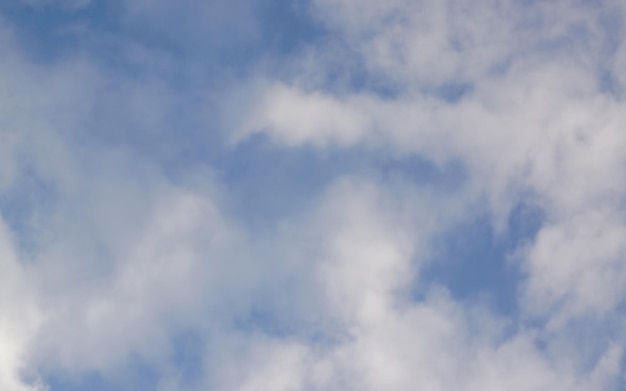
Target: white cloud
x,y
577,264
543,125
19,317
536,122
379,338
125,257
395,343
296,117
163,281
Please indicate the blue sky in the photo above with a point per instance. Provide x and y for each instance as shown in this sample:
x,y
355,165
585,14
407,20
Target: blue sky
x,y
290,195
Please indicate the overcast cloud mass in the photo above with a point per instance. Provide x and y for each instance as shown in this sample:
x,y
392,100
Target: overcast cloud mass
x,y
312,195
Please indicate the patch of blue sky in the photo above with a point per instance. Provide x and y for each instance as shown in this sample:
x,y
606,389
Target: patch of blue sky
x,y
353,77
135,375
593,336
451,92
174,46
454,92
269,182
22,206
474,262
188,350
186,360
49,31
303,324
287,26
265,321
275,27
92,381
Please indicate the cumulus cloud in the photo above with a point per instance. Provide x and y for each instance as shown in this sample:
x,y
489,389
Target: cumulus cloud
x,y
534,122
540,125
378,337
120,235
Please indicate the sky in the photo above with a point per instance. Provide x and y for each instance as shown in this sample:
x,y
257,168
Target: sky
x,y
312,195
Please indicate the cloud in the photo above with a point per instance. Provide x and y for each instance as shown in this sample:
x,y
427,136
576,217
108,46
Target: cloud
x,y
160,276
20,315
541,126
536,123
378,337
121,235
